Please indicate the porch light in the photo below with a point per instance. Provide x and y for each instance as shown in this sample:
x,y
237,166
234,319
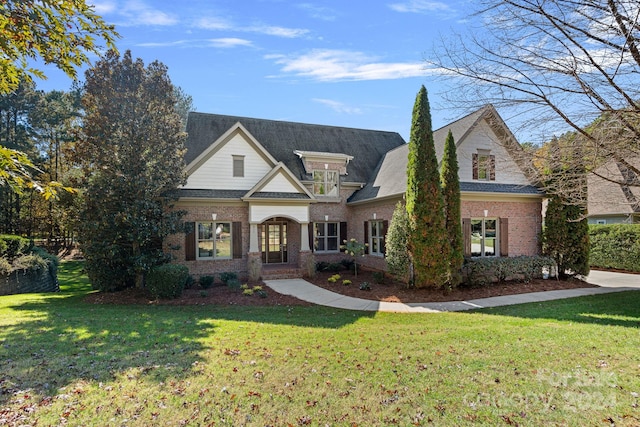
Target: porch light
x,y
214,216
326,217
375,216
326,166
486,213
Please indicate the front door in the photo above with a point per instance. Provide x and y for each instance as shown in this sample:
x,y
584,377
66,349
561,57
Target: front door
x,y
273,242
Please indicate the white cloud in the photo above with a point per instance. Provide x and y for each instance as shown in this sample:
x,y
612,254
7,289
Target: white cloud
x,y
229,42
337,106
420,6
136,12
212,23
318,12
335,65
226,42
269,30
104,7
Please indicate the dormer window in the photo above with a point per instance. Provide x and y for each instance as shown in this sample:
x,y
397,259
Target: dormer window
x,y
238,166
325,183
484,166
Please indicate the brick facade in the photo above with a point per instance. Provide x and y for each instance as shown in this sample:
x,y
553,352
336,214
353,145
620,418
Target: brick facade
x,y
524,227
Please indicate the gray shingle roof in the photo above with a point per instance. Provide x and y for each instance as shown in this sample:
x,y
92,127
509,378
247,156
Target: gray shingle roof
x,y
281,138
209,194
488,187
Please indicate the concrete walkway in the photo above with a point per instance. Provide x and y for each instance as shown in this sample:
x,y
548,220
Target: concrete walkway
x,y
299,288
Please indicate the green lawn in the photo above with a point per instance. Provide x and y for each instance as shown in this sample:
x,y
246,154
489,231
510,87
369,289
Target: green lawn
x,y
572,362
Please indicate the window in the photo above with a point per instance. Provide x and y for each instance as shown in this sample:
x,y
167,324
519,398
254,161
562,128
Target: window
x,y
325,183
484,165
238,166
484,237
327,237
214,240
376,237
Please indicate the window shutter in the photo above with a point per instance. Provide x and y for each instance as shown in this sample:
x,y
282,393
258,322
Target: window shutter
x,y
383,243
343,232
236,235
189,241
504,236
474,162
366,236
492,168
310,228
466,233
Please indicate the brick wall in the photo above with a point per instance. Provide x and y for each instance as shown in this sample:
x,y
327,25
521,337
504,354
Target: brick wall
x,y
201,212
525,222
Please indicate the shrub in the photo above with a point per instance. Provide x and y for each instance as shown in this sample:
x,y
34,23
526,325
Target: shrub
x,y
483,271
348,264
615,246
378,276
247,292
206,282
204,294
261,293
334,278
167,280
346,282
5,267
225,277
365,286
190,282
30,262
233,283
13,246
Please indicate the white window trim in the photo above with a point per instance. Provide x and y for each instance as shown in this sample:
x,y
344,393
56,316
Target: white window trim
x,y
326,237
214,227
237,158
483,237
325,173
380,239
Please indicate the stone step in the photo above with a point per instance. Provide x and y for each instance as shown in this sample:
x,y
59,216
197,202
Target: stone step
x,y
280,273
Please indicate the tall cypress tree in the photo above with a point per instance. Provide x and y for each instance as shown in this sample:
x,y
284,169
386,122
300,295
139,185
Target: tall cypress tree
x,y
451,193
427,245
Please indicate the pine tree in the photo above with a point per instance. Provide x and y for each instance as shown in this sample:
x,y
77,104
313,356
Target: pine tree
x,y
132,153
398,261
427,243
451,193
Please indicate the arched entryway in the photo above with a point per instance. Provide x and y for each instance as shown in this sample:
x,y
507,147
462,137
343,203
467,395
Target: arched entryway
x,y
274,245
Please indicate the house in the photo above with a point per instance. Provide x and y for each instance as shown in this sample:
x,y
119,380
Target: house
x,y
613,193
263,196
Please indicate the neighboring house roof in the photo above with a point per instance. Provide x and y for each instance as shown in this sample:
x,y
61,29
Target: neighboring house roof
x,y
608,196
282,138
390,178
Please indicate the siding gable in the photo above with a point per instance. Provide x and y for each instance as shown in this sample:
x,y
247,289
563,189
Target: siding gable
x,y
279,180
213,169
483,139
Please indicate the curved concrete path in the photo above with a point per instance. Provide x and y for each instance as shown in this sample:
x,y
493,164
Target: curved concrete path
x,y
299,288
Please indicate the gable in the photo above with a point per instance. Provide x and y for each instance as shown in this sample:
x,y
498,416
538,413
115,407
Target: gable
x,y
279,183
214,167
482,131
482,139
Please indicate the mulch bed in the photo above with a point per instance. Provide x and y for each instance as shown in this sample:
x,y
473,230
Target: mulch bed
x,y
390,291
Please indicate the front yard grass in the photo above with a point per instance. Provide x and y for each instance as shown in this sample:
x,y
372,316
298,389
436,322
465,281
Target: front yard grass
x,y
63,361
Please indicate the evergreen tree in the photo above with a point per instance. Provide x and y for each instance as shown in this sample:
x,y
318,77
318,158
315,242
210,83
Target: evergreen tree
x,y
427,243
565,237
398,261
132,154
451,193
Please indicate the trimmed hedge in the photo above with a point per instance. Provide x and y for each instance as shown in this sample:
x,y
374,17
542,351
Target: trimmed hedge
x,y
484,271
13,246
615,246
167,280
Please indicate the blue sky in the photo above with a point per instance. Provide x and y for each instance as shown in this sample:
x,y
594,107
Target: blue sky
x,y
351,63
